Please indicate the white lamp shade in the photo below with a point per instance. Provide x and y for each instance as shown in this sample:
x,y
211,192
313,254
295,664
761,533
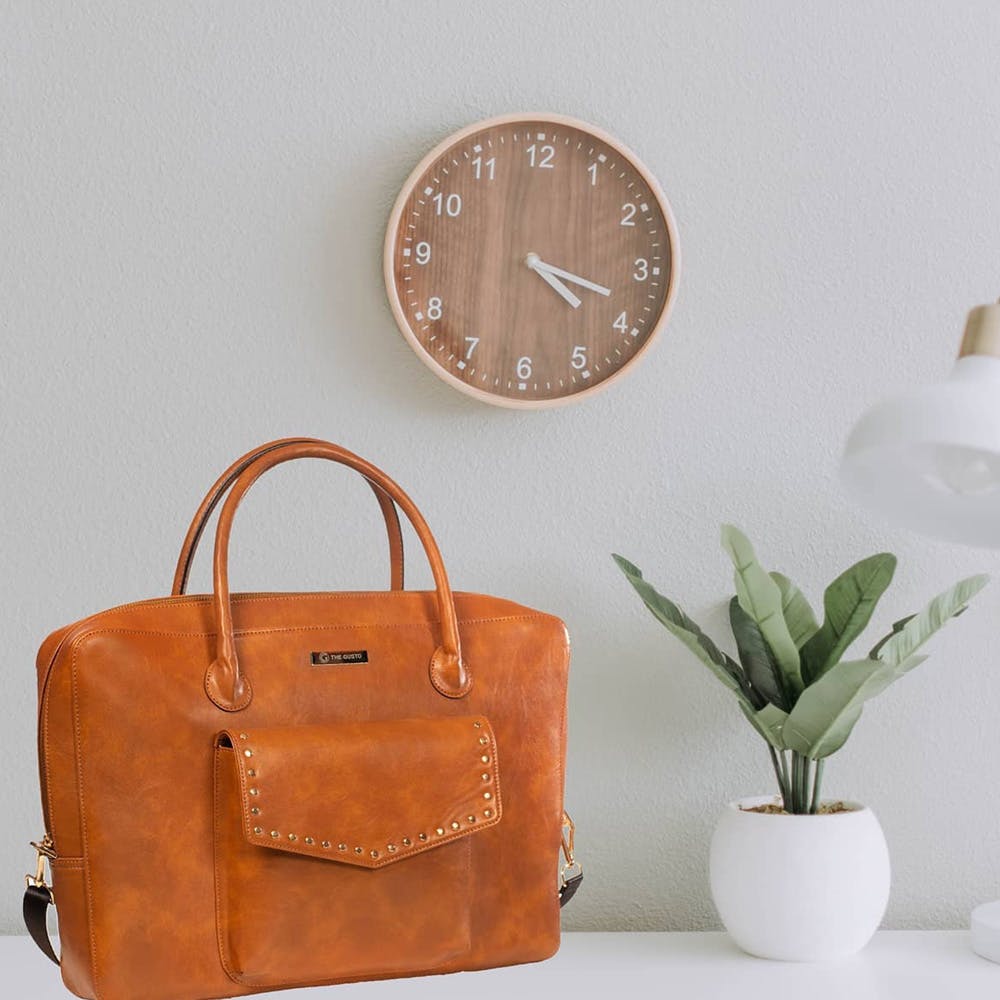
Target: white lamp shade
x,y
930,459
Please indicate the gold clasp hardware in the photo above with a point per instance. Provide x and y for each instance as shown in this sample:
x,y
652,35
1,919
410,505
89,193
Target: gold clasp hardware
x,y
46,852
571,867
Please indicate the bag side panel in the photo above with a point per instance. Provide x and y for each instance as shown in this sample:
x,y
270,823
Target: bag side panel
x,y
61,806
69,886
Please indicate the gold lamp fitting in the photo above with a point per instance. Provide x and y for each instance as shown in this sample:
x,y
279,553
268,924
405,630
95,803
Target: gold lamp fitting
x,y
982,332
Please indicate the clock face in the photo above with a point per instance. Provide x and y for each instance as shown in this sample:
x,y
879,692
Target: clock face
x,y
529,260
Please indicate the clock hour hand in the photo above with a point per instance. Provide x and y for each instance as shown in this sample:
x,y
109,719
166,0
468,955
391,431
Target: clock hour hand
x,y
542,267
533,261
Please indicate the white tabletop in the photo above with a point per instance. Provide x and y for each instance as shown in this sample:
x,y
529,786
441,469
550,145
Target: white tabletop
x,y
897,965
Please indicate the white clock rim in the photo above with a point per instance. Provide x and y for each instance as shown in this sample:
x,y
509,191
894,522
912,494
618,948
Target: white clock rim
x,y
389,255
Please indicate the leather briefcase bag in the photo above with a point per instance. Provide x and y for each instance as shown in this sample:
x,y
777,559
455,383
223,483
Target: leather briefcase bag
x,y
247,792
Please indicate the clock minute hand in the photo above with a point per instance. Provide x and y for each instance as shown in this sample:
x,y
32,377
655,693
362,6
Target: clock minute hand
x,y
544,267
533,262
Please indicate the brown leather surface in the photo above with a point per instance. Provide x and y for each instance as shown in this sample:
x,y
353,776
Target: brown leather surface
x,y
134,786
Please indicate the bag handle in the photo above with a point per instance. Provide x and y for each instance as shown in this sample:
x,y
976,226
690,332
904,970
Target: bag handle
x,y
225,683
226,480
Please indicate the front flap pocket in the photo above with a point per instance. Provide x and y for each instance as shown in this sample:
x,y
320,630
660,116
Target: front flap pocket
x,y
311,824
369,793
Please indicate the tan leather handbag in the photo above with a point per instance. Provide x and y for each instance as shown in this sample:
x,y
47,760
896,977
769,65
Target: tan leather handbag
x,y
246,792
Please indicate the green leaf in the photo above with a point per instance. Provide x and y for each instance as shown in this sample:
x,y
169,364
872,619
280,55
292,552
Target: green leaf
x,y
896,627
798,614
828,709
760,597
848,602
769,722
759,664
910,634
725,668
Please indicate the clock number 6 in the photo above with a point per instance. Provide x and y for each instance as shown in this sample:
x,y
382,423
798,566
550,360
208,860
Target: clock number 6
x,y
524,368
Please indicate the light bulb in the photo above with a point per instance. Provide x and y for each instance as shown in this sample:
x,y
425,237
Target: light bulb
x,y
963,473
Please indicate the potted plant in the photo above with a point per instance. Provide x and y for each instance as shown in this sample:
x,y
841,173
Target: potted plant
x,y
795,877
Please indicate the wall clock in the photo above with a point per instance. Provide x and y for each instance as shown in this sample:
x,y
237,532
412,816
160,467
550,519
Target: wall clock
x,y
530,260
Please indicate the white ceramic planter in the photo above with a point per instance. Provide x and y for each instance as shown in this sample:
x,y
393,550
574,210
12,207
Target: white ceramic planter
x,y
799,888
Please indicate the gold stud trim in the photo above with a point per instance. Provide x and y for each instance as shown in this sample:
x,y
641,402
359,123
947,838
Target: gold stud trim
x,y
393,847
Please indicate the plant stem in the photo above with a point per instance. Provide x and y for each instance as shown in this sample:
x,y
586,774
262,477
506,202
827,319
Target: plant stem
x,y
777,769
801,768
814,807
788,787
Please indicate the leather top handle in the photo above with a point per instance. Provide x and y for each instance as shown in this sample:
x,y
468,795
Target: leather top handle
x,y
226,480
225,683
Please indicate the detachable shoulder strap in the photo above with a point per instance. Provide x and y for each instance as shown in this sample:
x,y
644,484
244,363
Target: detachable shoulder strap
x,y
37,900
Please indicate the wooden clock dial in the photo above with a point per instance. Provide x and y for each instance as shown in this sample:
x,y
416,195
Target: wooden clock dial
x,y
530,259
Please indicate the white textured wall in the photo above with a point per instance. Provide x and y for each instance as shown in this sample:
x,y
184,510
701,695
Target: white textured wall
x,y
193,199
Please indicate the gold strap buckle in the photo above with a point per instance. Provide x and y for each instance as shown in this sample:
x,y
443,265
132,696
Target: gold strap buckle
x,y
571,867
45,851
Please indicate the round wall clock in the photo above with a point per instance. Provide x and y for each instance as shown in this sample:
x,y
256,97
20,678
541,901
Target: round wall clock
x,y
530,260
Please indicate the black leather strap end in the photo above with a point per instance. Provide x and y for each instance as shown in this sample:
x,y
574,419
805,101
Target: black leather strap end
x,y
37,900
568,891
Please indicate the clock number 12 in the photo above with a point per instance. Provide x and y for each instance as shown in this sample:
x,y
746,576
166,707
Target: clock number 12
x,y
541,157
